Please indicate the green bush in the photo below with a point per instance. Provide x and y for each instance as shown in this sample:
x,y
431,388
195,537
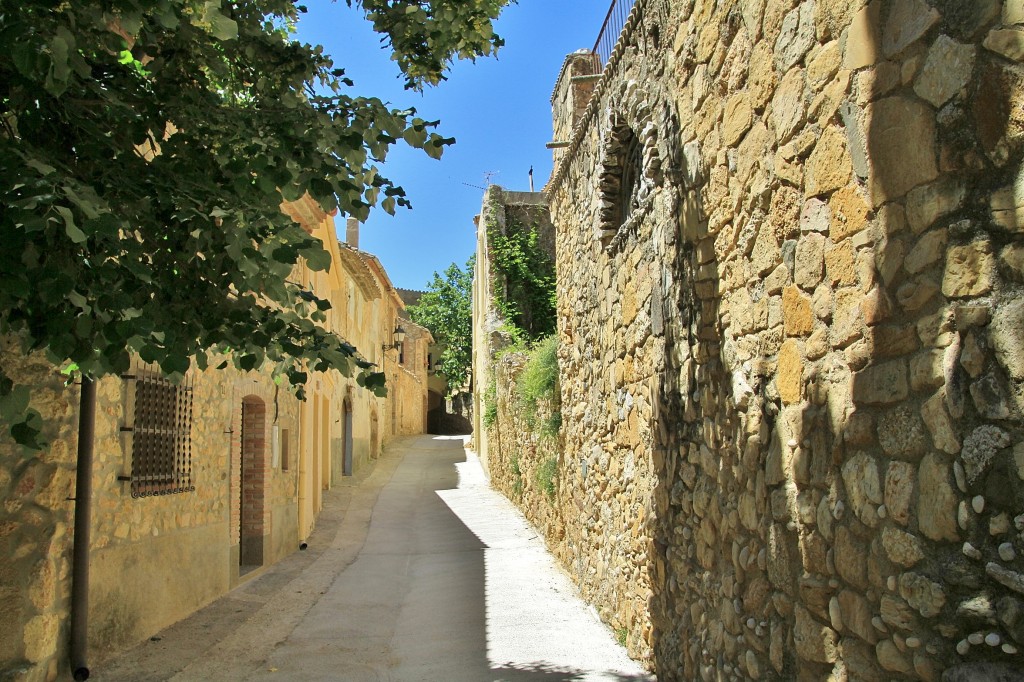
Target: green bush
x,y
547,476
539,380
517,476
490,404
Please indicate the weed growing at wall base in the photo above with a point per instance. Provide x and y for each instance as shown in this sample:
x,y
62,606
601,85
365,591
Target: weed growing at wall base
x,y
517,476
539,381
547,476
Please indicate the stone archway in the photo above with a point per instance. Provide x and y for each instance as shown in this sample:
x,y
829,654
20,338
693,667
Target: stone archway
x,y
254,525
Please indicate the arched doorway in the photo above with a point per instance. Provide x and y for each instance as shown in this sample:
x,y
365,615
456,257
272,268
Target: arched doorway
x,y
254,461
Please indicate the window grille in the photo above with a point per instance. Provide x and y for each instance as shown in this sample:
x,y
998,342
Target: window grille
x,y
161,436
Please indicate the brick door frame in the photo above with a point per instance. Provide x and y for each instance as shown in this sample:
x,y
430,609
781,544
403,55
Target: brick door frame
x,y
254,470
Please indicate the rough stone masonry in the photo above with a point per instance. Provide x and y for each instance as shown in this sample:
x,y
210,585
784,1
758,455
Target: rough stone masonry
x,y
790,260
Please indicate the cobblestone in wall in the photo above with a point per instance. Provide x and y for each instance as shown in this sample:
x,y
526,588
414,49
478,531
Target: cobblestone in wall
x,y
795,370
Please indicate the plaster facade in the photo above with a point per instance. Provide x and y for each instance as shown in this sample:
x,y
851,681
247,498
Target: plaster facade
x,y
789,258
260,461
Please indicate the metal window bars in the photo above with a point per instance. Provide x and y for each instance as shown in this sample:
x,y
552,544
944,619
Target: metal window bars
x,y
611,29
161,434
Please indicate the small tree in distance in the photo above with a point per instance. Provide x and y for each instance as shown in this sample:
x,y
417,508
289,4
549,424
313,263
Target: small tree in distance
x,y
446,309
145,151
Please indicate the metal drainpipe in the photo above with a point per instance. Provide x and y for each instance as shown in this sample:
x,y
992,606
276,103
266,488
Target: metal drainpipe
x,y
83,513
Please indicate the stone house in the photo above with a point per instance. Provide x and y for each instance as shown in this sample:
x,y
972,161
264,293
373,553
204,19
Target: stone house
x,y
196,486
790,264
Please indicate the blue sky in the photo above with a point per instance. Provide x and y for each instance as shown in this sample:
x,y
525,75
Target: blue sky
x,y
498,110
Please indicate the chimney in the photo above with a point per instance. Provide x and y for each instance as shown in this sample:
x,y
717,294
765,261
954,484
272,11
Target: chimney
x,y
580,74
352,232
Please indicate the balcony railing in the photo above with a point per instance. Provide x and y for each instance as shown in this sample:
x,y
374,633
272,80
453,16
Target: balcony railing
x,y
612,28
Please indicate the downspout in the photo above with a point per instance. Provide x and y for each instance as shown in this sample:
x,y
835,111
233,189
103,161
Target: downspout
x,y
83,513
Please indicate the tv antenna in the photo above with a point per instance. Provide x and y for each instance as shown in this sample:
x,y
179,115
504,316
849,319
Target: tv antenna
x,y
488,175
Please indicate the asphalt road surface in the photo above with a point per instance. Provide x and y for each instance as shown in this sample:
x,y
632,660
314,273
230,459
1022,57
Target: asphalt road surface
x,y
417,573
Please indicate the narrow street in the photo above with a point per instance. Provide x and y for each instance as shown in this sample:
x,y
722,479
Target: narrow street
x,y
419,572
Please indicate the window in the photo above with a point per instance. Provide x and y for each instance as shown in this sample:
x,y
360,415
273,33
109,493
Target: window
x,y
630,171
161,437
629,183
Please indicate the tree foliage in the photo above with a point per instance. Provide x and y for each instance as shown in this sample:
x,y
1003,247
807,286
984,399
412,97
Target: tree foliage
x,y
446,309
146,147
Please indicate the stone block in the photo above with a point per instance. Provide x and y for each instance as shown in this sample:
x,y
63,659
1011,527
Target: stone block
x,y
1012,258
761,79
849,213
863,485
789,379
797,36
824,64
882,384
783,561
928,203
970,269
946,70
789,108
907,22
939,423
863,39
856,614
901,433
922,594
928,250
990,399
1013,12
828,167
1006,336
815,216
1007,205
840,265
876,306
736,118
901,147
851,555
913,295
848,319
40,637
936,512
900,479
814,641
980,448
1008,42
892,658
810,251
798,320
901,547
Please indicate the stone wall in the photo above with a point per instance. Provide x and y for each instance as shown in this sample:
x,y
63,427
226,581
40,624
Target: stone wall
x,y
791,263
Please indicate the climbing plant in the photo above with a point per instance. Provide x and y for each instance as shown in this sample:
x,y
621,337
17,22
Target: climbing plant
x,y
525,279
146,148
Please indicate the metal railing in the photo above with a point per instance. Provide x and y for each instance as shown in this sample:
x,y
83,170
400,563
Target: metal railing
x,y
612,28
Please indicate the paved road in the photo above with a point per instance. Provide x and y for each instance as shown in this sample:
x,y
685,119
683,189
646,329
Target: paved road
x,y
419,573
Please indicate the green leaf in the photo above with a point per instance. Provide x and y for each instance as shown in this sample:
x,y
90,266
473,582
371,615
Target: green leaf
x,y
14,404
222,27
27,431
60,66
317,258
74,233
